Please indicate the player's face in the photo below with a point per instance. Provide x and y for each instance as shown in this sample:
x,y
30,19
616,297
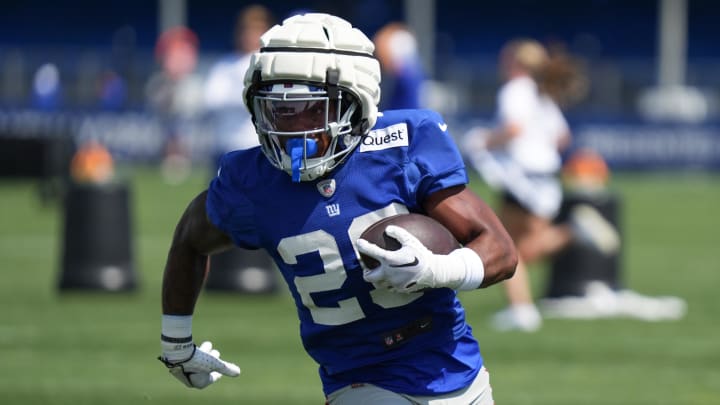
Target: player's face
x,y
305,117
299,116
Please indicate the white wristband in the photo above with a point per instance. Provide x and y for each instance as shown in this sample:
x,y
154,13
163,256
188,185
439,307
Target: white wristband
x,y
474,268
177,326
176,339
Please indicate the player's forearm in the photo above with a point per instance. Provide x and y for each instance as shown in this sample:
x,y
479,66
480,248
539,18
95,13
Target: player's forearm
x,y
475,225
489,239
195,238
183,279
498,256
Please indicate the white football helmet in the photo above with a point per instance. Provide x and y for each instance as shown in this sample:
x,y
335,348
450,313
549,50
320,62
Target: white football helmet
x,y
313,90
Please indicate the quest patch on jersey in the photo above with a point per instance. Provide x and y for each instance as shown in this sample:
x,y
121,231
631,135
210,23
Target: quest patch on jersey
x,y
384,138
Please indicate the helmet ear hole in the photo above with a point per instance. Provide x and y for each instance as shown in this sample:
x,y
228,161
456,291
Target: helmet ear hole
x,y
251,91
356,117
359,123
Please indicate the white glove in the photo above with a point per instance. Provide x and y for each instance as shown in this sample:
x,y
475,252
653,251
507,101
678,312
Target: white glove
x,y
201,366
414,267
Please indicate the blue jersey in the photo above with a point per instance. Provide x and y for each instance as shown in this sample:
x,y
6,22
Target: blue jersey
x,y
355,332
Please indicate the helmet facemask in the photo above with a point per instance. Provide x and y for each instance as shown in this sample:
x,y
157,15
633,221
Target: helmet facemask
x,y
304,129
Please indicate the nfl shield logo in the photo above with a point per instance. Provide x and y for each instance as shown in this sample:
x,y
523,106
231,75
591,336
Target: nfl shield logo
x,y
389,341
326,187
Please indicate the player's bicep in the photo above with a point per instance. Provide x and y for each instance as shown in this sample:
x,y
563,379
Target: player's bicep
x,y
195,230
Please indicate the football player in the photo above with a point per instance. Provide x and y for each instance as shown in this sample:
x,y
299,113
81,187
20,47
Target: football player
x,y
328,166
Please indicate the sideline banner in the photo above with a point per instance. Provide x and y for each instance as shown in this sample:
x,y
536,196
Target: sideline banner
x,y
140,136
129,136
653,146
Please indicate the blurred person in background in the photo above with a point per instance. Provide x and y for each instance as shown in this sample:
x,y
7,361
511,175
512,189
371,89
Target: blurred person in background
x,y
47,89
396,49
521,158
112,91
174,94
223,95
330,165
114,81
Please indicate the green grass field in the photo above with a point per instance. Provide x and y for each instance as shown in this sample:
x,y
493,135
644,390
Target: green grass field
x,y
100,348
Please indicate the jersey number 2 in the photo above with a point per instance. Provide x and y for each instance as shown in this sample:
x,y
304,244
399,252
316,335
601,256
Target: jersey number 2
x,y
334,273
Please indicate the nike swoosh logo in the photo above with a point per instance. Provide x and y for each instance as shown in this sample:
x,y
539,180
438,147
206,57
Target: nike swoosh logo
x,y
443,127
413,263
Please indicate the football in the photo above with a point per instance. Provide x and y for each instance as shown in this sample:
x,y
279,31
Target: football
x,y
430,232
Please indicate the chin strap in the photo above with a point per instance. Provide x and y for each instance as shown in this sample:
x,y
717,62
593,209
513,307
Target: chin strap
x,y
299,148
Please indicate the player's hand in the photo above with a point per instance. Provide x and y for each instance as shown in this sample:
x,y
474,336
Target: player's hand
x,y
407,269
200,368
